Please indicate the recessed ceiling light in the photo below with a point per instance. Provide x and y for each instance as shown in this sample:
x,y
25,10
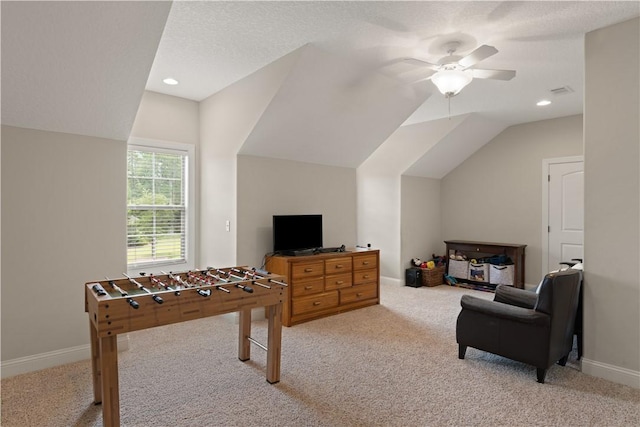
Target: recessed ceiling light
x,y
170,81
543,103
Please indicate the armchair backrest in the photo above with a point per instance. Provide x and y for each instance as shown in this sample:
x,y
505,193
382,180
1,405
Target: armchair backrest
x,y
558,297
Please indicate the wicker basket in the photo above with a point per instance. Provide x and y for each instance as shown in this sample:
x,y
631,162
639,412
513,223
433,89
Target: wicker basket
x,y
433,276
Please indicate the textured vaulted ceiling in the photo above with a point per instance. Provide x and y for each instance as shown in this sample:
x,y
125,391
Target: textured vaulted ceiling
x,y
209,45
81,67
77,67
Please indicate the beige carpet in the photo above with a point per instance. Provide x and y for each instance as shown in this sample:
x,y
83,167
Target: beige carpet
x,y
394,364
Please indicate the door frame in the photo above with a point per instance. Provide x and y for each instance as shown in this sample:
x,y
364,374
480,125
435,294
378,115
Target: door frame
x,y
546,164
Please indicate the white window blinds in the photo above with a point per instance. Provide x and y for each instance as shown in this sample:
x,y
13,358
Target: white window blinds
x,y
156,206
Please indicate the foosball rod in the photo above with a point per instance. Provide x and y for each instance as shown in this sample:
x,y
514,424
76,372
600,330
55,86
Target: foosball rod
x,y
158,282
176,279
123,293
218,286
226,273
155,297
253,282
188,285
215,276
278,283
245,288
259,277
249,273
200,292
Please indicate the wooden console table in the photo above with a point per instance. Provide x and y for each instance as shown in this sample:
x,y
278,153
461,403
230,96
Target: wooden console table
x,y
486,249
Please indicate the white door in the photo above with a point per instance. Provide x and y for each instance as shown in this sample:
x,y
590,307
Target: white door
x,y
566,212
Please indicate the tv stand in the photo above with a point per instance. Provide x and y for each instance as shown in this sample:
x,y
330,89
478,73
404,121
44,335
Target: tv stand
x,y
328,283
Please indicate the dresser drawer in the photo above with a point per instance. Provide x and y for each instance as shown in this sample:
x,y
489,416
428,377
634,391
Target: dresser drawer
x,y
359,293
306,269
364,276
337,265
313,285
306,304
338,281
363,262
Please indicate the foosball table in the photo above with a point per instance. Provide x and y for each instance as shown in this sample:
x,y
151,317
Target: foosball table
x,y
117,306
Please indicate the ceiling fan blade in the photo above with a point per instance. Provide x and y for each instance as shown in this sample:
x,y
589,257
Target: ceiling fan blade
x,y
478,55
416,75
421,63
493,74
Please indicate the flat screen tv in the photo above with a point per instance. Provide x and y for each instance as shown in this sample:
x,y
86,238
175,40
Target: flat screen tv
x,y
296,232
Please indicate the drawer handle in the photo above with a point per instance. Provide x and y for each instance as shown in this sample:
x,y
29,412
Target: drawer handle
x,y
316,303
308,270
339,282
365,262
359,294
306,288
339,266
366,276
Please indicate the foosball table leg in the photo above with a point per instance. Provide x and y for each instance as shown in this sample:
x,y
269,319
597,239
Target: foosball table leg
x,y
244,345
95,365
274,342
110,388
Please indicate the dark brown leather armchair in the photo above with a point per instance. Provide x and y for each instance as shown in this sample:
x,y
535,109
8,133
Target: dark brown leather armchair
x,y
534,328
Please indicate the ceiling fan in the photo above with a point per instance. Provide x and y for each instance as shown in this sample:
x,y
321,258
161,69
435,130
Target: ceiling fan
x,y
452,73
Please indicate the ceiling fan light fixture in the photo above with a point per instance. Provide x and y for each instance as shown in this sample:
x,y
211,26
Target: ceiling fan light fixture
x,y
451,82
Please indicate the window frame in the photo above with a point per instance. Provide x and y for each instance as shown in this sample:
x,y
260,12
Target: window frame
x,y
170,147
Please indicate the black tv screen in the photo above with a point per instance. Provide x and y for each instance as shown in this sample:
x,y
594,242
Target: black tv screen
x,y
295,232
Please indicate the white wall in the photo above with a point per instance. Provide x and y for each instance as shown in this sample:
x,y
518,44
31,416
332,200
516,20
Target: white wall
x,y
63,224
379,188
420,219
612,198
496,194
268,187
169,118
226,120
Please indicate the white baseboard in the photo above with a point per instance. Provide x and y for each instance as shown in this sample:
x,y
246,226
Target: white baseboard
x,y
390,281
36,362
612,373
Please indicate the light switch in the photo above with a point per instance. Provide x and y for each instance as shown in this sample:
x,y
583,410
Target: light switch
x,y
227,225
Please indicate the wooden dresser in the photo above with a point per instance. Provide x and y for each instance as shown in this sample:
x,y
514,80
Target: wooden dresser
x,y
325,284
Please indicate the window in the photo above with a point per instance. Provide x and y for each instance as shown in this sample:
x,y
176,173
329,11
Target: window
x,y
159,215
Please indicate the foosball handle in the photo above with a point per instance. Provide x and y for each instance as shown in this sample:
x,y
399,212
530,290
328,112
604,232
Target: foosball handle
x,y
133,303
157,299
245,288
98,289
204,293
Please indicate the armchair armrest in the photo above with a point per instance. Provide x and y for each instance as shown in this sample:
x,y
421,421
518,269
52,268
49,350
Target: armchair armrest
x,y
504,311
515,296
